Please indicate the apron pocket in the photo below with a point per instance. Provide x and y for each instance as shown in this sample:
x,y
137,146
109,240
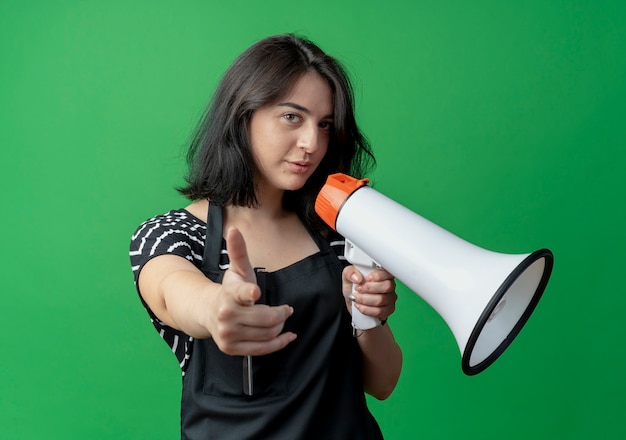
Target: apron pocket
x,y
224,375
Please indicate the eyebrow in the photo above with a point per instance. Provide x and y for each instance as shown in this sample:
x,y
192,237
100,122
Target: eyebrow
x,y
302,109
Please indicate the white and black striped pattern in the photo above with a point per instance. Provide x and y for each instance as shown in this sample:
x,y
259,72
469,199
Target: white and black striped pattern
x,y
177,233
180,233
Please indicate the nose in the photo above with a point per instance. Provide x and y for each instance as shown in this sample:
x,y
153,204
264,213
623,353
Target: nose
x,y
310,139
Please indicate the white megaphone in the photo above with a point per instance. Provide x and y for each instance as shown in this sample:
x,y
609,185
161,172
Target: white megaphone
x,y
485,297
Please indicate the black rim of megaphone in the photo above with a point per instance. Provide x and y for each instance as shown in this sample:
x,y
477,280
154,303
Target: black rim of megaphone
x,y
495,300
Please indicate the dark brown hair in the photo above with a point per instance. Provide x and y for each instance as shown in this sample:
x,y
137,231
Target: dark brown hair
x,y
220,159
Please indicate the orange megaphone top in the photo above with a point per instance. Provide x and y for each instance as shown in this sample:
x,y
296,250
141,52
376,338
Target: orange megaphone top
x,y
334,193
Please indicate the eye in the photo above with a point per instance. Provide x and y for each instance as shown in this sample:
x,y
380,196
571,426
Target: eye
x,y
326,125
292,117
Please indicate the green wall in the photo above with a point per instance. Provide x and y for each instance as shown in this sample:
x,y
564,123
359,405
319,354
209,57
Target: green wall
x,y
504,122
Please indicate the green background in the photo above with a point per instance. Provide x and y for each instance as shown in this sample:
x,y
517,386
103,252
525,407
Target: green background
x,y
504,122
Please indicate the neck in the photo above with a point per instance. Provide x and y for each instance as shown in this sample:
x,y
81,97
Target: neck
x,y
269,208
270,201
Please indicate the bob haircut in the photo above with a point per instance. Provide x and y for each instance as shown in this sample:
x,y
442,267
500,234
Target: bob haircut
x,y
221,166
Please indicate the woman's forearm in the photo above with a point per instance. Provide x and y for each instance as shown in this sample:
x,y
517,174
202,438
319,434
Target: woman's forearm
x,y
177,293
382,361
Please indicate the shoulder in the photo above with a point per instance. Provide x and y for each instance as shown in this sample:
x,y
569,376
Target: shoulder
x,y
176,217
175,232
179,221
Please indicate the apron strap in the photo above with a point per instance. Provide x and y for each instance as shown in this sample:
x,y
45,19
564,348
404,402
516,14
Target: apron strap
x,y
213,242
321,242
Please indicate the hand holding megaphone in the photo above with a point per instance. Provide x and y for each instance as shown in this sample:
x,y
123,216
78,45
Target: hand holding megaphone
x,y
485,297
384,294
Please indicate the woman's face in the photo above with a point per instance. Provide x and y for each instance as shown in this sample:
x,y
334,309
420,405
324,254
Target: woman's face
x,y
289,138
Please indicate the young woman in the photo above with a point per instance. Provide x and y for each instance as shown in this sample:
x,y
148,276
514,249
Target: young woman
x,y
246,284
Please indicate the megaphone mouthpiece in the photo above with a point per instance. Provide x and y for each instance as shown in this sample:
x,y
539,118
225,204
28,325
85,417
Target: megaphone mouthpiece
x,y
335,192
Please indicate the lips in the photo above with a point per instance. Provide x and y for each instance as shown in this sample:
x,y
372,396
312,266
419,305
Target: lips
x,y
299,166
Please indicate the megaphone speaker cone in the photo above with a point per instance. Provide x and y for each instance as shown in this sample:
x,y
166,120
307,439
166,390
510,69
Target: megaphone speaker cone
x,y
507,312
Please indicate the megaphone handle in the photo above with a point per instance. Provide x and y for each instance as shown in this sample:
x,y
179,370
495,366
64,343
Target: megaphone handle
x,y
365,264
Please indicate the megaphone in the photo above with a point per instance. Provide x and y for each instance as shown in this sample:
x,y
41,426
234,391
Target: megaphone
x,y
485,297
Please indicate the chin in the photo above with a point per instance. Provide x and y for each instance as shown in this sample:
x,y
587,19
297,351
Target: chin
x,y
293,188
295,184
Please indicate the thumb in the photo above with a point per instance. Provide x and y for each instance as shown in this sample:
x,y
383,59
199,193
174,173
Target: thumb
x,y
350,276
